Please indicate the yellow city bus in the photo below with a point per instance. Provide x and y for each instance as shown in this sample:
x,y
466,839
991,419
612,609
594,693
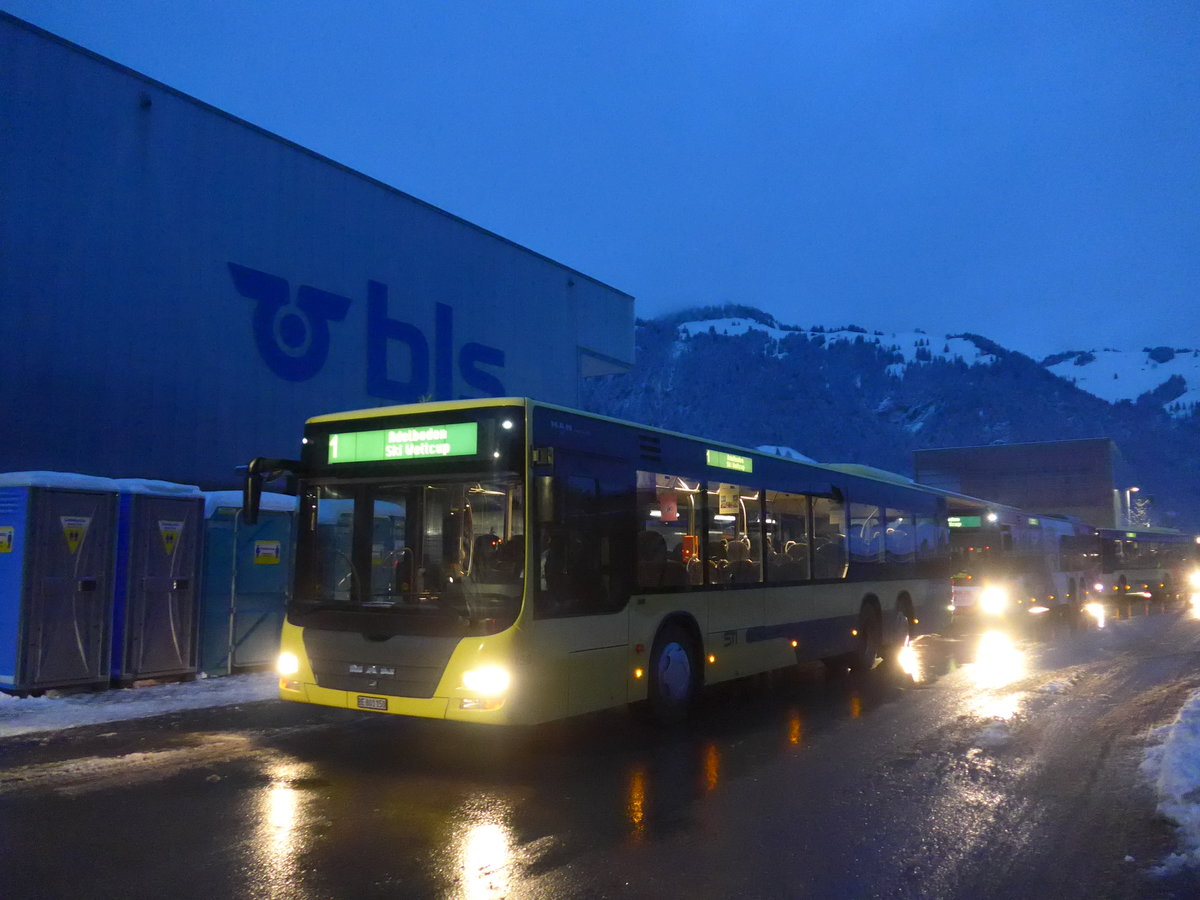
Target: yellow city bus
x,y
505,561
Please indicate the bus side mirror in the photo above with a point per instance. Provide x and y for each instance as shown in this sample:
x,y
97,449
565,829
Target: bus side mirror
x,y
259,471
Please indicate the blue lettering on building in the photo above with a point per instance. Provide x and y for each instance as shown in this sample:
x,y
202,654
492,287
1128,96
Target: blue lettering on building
x,y
293,340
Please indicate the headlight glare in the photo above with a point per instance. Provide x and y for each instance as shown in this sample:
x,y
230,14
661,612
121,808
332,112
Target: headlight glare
x,y
993,599
287,664
487,680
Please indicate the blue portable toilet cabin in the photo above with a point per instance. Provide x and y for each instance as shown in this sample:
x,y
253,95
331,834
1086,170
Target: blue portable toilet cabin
x,y
159,539
246,582
56,577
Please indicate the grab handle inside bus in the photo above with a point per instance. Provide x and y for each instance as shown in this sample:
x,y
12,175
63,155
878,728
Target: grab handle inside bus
x,y
261,470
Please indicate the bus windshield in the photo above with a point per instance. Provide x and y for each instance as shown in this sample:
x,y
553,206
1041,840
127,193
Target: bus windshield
x,y
441,556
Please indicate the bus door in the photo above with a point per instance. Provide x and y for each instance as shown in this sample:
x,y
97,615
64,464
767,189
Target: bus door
x,y
583,557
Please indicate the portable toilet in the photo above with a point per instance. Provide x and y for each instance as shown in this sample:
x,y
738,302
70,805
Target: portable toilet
x,y
157,579
56,577
246,583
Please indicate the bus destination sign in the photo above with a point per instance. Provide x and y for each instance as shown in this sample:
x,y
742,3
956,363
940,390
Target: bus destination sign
x,y
420,442
965,521
723,460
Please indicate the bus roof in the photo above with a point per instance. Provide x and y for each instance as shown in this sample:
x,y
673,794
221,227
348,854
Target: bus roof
x,y
855,470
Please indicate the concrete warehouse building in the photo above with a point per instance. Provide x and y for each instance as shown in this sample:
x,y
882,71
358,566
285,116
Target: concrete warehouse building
x,y
182,289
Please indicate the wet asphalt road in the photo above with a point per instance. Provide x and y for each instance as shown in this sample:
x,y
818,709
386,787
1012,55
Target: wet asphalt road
x,y
1003,770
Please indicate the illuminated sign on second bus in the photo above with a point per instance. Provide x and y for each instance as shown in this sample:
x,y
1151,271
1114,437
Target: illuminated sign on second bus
x,y
965,521
724,460
420,442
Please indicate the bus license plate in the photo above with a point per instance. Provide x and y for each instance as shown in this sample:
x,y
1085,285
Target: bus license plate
x,y
379,703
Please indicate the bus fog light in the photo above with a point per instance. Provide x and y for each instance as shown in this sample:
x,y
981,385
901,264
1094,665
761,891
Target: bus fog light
x,y
488,681
287,664
475,703
993,600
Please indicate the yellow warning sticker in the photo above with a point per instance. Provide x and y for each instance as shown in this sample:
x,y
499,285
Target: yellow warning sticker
x,y
75,530
170,532
6,538
266,553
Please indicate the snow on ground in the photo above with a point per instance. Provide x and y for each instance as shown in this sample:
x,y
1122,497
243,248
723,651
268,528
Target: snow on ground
x,y
1171,762
57,711
1173,766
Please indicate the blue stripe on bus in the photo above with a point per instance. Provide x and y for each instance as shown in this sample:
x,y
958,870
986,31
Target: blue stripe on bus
x,y
816,638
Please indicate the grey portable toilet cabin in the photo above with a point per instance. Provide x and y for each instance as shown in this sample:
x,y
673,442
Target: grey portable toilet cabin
x,y
159,539
56,576
246,583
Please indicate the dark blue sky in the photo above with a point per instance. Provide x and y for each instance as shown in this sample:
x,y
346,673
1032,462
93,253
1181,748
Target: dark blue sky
x,y
1025,170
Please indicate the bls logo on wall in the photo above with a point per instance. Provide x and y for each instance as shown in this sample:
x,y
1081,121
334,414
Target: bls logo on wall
x,y
293,337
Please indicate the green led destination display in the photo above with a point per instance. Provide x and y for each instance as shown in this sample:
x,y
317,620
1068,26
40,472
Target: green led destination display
x,y
420,442
723,460
965,521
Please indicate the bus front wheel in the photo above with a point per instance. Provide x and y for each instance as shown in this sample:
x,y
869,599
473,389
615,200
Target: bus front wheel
x,y
674,676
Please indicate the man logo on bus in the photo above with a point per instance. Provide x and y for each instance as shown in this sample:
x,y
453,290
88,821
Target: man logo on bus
x,y
292,336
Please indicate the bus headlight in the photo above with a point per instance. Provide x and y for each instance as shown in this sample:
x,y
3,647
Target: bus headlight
x,y
1194,579
488,681
993,600
287,664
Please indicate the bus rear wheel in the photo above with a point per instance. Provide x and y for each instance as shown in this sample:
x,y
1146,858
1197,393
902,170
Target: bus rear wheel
x,y
674,676
868,641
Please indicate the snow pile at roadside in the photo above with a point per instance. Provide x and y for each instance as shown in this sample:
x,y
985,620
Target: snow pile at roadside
x,y
1172,764
56,711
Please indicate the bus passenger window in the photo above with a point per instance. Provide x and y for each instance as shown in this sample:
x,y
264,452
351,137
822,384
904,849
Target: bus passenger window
x,y
932,536
866,533
668,545
899,540
787,537
734,534
829,538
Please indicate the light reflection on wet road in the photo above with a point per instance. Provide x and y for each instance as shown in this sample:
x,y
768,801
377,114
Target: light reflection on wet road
x,y
920,783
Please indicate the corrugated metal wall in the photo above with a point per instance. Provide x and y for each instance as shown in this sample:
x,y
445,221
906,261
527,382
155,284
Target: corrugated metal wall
x,y
179,290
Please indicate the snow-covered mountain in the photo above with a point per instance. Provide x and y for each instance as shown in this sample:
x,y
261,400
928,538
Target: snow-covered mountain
x,y
1171,377
847,394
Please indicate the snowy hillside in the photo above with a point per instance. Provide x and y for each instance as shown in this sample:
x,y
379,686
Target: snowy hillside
x,y
913,346
1112,375
847,394
1171,377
